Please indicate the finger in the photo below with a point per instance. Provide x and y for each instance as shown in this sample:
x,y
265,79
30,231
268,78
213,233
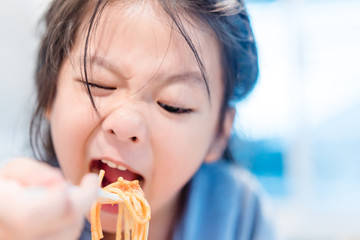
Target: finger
x,y
79,201
37,209
30,172
65,233
46,210
68,228
84,196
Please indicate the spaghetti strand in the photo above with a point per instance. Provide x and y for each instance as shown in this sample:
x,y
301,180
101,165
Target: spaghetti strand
x,y
133,213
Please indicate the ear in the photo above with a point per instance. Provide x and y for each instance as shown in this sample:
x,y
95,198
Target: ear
x,y
220,141
48,114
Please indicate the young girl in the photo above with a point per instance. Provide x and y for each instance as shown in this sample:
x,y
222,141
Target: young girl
x,y
141,89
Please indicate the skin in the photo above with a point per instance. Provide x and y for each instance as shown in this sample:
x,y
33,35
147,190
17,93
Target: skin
x,y
37,203
141,66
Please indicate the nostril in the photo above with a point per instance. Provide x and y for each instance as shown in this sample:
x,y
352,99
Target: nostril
x,y
133,139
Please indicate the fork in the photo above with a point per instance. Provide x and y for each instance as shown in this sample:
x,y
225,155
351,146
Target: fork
x,y
107,197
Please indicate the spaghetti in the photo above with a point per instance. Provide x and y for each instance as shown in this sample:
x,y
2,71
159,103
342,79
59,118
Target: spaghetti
x,y
134,211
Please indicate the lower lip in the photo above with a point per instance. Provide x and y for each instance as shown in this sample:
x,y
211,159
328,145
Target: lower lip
x,y
110,208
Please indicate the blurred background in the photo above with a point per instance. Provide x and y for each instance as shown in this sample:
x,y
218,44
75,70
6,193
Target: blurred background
x,y
298,132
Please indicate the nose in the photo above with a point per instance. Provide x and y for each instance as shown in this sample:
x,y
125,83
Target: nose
x,y
125,124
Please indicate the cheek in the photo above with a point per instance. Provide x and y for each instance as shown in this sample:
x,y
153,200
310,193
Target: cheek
x,y
179,153
70,126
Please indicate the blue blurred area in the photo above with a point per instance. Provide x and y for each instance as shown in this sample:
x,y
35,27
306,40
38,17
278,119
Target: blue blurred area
x,y
335,148
265,159
262,157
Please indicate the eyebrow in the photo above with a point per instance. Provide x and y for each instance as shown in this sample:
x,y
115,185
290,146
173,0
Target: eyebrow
x,y
191,76
102,62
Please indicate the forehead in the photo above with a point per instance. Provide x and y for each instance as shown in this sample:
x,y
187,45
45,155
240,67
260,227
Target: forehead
x,y
141,32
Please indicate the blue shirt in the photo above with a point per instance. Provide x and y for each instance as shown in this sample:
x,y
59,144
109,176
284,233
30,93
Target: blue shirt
x,y
224,203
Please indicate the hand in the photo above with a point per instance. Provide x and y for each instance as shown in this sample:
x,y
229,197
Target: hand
x,y
36,202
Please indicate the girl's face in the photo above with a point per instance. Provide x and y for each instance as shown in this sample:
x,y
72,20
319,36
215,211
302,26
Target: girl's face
x,y
157,122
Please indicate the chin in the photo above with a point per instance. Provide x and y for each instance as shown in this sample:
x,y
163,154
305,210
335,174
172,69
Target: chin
x,y
108,221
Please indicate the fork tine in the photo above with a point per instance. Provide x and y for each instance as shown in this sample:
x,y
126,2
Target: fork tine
x,y
107,197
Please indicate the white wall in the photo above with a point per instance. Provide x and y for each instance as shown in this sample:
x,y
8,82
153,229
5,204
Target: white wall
x,y
18,41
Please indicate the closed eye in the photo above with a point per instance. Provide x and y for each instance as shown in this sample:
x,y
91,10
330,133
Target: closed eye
x,y
94,85
173,109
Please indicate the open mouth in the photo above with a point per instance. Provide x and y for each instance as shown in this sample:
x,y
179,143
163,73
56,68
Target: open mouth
x,y
113,172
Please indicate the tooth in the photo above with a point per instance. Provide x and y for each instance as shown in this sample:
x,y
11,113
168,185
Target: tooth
x,y
112,165
121,168
104,161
